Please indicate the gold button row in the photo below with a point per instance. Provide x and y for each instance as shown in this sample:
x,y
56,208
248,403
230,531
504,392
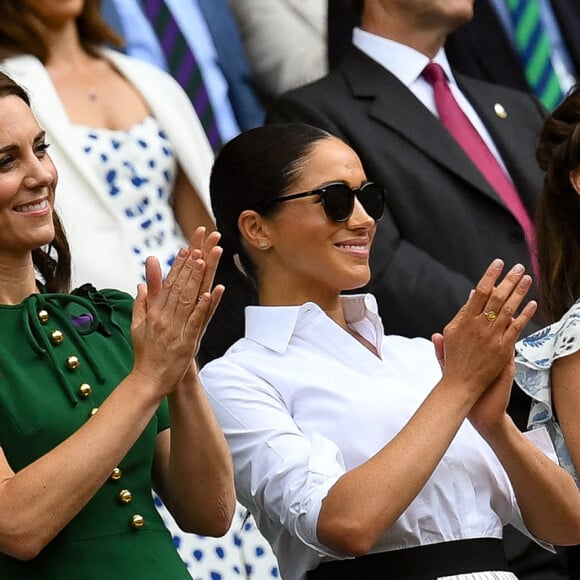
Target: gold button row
x,y
137,521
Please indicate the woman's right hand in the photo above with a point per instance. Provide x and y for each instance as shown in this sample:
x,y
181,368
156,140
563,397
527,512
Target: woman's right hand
x,y
479,342
170,317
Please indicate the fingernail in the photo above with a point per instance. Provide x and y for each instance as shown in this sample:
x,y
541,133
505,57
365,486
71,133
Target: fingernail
x,y
497,263
518,269
526,281
182,253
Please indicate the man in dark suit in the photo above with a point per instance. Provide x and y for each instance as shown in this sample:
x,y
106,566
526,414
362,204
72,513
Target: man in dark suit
x,y
446,222
484,48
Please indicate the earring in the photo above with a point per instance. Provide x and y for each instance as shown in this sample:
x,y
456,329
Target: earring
x,y
263,245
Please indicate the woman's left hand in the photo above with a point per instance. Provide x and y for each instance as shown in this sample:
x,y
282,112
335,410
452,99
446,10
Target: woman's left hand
x,y
177,310
491,408
202,246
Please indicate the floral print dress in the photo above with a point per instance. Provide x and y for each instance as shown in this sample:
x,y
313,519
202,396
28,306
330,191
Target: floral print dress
x,y
535,355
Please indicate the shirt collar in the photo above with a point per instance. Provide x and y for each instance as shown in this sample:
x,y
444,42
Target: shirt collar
x,y
401,60
274,326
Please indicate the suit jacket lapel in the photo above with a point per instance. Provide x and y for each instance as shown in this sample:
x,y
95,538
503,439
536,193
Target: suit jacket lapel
x,y
505,132
395,107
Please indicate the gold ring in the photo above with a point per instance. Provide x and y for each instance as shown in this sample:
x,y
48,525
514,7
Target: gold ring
x,y
199,299
490,315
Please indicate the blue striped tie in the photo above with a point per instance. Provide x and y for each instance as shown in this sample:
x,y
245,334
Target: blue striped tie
x,y
533,44
182,65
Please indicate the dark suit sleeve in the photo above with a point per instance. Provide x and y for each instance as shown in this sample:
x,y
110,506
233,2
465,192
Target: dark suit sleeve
x,y
404,277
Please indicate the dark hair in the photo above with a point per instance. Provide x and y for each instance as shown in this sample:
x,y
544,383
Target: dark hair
x,y
53,261
22,32
254,167
357,6
558,212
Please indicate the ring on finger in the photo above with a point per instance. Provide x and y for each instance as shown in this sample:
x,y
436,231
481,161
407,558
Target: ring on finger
x,y
490,315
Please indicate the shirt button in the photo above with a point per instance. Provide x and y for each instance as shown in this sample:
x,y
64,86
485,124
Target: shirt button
x,y
56,336
43,316
72,362
85,390
116,474
125,496
137,521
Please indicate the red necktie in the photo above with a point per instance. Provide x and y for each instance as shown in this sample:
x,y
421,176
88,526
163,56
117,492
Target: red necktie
x,y
475,148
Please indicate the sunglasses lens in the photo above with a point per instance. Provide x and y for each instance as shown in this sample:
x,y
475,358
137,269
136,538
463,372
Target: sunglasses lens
x,y
372,198
338,201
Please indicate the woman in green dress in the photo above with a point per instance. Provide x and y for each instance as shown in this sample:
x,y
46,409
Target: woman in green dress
x,y
89,383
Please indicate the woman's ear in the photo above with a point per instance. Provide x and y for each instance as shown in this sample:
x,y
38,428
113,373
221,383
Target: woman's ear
x,y
575,179
254,230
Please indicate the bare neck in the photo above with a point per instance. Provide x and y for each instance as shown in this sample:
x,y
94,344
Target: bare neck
x,y
277,290
66,51
400,28
16,282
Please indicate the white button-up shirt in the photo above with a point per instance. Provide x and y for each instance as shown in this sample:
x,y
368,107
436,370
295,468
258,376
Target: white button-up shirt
x,y
301,402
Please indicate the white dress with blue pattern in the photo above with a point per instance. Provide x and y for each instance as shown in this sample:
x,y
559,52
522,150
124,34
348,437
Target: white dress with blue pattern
x,y
139,167
535,355
140,176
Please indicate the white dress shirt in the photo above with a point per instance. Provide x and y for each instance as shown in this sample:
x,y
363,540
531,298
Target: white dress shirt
x,y
302,402
407,64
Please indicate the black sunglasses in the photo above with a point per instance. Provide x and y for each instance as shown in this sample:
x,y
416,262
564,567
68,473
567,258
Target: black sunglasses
x,y
338,200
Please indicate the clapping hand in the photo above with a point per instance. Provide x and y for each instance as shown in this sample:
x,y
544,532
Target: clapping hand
x,y
477,346
170,317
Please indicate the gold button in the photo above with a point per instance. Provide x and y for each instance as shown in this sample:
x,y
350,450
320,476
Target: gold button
x,y
500,111
72,362
94,410
85,390
116,474
125,496
43,316
137,521
56,336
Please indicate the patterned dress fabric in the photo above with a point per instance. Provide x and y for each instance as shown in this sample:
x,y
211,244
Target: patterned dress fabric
x,y
535,355
242,554
138,166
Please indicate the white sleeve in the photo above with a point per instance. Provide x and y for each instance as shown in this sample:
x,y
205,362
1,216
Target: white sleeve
x,y
279,472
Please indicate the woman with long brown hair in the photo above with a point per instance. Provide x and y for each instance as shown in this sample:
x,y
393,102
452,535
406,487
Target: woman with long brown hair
x,y
132,155
548,361
99,394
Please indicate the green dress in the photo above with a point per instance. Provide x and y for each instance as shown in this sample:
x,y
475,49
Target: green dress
x,y
60,357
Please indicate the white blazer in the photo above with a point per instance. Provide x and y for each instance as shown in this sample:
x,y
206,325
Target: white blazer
x,y
100,245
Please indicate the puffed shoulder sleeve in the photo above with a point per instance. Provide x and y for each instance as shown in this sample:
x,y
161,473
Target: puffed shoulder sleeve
x,y
535,356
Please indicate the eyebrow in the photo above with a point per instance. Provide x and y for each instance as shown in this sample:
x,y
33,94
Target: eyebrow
x,y
39,137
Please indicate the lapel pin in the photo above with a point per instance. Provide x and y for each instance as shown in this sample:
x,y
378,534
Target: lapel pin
x,y
500,110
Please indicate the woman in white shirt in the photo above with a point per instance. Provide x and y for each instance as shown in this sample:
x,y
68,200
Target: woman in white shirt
x,y
348,443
